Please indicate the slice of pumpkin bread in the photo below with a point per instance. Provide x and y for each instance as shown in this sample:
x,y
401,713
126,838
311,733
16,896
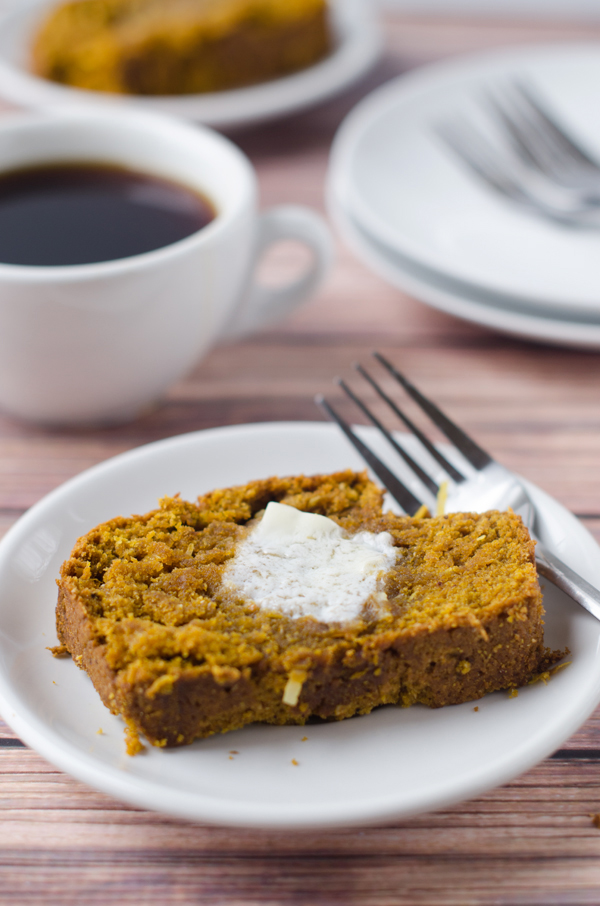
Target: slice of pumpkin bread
x,y
170,47
144,607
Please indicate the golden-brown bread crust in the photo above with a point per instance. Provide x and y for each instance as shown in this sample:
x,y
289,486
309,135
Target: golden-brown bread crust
x,y
141,610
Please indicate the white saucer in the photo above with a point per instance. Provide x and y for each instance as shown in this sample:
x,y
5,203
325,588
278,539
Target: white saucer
x,y
405,188
507,316
387,765
357,48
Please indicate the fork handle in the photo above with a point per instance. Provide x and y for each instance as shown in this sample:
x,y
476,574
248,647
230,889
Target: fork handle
x,y
565,578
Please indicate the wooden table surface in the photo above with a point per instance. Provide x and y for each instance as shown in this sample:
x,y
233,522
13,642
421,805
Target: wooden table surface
x,y
536,408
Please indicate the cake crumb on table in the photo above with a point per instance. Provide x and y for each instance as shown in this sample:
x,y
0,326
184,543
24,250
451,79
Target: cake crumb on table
x,y
295,763
595,816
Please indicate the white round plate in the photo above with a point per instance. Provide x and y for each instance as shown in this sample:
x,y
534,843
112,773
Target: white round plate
x,y
458,299
389,764
358,44
404,186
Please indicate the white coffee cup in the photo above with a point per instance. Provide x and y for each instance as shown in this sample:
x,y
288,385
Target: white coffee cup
x,y
100,342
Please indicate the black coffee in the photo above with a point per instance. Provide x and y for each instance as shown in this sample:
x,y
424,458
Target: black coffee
x,y
88,212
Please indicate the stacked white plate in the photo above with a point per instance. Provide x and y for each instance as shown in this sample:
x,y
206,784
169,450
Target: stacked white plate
x,y
416,216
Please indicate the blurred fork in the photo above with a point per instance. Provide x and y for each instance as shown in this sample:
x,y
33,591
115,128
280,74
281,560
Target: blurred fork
x,y
539,166
543,143
479,484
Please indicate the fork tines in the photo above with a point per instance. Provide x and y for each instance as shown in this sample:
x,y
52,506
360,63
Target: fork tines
x,y
529,157
467,446
537,130
406,499
401,494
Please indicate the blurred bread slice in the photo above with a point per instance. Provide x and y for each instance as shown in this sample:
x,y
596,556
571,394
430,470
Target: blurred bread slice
x,y
151,47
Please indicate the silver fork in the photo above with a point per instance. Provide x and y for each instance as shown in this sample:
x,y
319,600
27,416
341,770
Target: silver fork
x,y
538,166
541,141
479,484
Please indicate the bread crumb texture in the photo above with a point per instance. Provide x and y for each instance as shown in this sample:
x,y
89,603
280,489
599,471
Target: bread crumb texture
x,y
142,610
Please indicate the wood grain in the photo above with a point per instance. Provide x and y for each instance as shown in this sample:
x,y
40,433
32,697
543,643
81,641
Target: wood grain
x,y
536,408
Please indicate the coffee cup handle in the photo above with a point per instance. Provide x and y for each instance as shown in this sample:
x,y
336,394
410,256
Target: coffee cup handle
x,y
264,305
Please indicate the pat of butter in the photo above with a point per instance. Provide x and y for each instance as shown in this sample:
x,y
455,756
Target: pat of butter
x,y
303,564
281,522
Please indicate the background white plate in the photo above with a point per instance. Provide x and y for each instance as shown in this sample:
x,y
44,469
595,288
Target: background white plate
x,y
407,189
358,44
392,763
456,299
